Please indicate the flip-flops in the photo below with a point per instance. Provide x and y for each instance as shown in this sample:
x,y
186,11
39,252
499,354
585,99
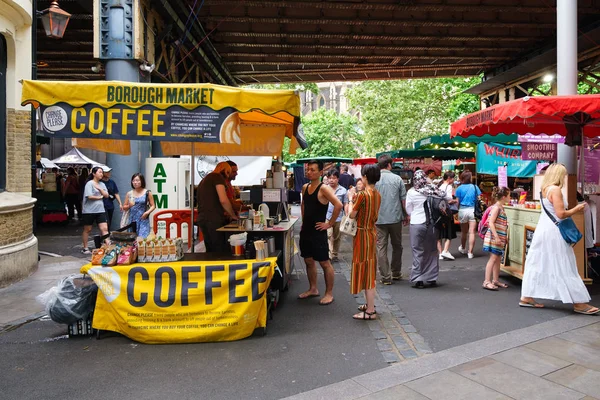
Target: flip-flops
x,y
308,296
531,304
321,303
588,311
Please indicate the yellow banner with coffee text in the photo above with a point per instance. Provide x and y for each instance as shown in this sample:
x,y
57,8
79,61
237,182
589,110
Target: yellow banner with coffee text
x,y
183,302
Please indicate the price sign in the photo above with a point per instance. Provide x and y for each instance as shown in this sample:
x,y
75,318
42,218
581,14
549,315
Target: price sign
x,y
271,195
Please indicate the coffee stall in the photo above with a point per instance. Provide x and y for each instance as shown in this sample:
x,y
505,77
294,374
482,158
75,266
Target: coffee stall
x,y
198,297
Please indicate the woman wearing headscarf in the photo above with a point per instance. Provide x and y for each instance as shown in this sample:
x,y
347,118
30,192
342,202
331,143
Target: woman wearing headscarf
x,y
423,235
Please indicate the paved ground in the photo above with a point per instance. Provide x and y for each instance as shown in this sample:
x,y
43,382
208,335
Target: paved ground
x,y
557,359
307,346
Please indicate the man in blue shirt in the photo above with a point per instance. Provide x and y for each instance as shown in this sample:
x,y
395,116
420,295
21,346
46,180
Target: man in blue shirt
x,y
392,214
333,233
113,193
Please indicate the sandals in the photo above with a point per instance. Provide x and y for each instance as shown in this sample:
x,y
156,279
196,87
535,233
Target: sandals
x,y
487,285
532,304
363,307
589,310
500,284
364,315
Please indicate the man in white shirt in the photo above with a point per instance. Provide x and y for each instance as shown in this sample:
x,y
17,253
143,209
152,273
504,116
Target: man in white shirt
x,y
333,233
392,215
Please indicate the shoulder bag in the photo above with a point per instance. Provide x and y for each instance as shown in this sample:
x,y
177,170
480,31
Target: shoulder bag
x,y
479,207
567,227
348,226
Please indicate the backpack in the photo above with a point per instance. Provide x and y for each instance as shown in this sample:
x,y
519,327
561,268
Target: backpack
x,y
482,228
436,208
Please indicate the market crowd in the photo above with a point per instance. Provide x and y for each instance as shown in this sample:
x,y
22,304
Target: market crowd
x,y
377,207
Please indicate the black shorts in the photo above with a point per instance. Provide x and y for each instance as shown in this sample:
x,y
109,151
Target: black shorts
x,y
89,219
314,245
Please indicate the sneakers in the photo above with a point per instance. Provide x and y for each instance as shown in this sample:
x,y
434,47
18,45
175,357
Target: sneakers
x,y
462,250
86,251
387,281
446,255
470,255
397,277
442,257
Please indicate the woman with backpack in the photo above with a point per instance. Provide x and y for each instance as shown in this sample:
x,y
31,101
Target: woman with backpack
x,y
494,240
467,194
423,235
446,229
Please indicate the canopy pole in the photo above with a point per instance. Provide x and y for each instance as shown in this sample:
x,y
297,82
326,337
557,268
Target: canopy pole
x,y
193,176
566,67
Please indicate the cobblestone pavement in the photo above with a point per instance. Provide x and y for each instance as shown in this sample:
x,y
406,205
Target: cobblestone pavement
x,y
397,339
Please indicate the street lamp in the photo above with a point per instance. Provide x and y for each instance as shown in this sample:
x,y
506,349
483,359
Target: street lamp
x,y
55,20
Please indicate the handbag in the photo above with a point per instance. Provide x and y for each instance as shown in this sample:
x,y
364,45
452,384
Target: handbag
x,y
567,227
348,226
124,219
479,207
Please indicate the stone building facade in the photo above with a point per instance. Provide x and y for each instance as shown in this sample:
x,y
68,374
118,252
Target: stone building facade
x,y
18,245
332,96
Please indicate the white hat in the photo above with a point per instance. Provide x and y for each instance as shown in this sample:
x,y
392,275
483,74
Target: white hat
x,y
104,167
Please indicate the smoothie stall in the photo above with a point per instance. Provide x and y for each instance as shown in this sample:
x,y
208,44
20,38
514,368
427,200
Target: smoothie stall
x,y
576,118
173,297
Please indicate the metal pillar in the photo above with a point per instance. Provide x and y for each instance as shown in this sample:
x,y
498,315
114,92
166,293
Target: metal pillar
x,y
116,49
123,166
566,67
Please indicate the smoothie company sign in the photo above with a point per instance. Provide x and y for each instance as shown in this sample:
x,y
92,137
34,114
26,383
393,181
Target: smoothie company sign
x,y
490,156
539,151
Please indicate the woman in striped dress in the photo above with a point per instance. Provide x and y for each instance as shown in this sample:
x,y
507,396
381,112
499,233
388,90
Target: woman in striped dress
x,y
495,239
364,257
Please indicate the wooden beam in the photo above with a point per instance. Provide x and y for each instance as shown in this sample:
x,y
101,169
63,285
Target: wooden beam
x,y
413,22
355,70
319,46
547,8
363,36
266,57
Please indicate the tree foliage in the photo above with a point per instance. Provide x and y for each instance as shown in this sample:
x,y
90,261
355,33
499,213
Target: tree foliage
x,y
301,87
328,134
396,113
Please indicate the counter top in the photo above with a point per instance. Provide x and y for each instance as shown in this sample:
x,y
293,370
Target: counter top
x,y
535,210
280,227
217,256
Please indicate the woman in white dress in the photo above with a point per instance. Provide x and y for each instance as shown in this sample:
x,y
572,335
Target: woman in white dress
x,y
551,267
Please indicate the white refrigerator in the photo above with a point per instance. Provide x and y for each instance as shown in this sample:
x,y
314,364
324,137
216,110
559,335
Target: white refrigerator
x,y
169,180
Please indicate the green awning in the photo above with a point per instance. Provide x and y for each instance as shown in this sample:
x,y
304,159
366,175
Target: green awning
x,y
326,159
444,141
440,154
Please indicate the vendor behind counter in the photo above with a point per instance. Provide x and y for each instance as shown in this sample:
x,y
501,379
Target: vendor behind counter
x,y
215,208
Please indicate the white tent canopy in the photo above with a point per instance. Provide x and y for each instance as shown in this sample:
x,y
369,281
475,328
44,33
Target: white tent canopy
x,y
45,163
74,158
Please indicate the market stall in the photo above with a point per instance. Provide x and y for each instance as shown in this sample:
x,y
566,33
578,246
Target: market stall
x,y
202,297
572,117
410,160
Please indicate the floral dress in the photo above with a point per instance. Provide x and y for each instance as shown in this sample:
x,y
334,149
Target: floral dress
x,y
135,214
